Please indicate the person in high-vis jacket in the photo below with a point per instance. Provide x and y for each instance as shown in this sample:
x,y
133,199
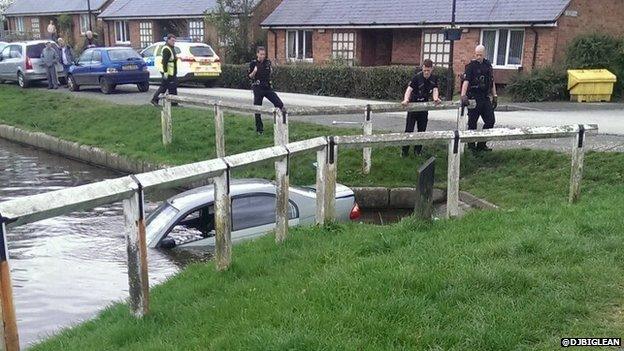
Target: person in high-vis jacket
x,y
168,67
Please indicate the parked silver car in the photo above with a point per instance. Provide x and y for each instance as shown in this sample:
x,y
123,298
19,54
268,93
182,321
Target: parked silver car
x,y
187,220
21,62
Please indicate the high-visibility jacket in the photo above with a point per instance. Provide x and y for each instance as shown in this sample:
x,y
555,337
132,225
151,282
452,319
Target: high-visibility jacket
x,y
169,61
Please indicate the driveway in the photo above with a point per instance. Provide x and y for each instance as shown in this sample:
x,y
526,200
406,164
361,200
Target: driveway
x,y
609,116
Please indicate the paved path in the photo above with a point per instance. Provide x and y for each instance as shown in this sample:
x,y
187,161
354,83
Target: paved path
x,y
609,116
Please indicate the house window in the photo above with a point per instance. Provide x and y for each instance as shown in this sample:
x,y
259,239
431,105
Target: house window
x,y
122,32
343,47
145,34
299,45
36,28
19,24
436,48
196,31
84,23
503,47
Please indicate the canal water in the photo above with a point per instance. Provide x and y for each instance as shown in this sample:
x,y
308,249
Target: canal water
x,y
66,269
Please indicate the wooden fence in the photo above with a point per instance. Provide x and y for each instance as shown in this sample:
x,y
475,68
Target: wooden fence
x,y
130,190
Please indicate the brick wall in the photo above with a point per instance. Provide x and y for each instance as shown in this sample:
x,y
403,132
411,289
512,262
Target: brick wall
x,y
591,16
406,46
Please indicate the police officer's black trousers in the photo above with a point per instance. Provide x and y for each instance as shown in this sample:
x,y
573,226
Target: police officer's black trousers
x,y
170,84
261,92
418,119
486,112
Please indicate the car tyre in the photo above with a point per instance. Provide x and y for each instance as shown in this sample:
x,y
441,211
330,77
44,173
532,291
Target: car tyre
x,y
210,84
21,80
71,84
106,86
143,87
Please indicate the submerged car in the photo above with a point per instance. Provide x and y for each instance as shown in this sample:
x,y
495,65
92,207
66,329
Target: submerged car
x,y
108,68
187,220
21,62
197,62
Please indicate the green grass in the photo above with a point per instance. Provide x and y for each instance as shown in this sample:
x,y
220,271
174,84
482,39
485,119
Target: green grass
x,y
516,279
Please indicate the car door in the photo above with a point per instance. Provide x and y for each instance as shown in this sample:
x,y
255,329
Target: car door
x,y
97,67
16,60
5,54
254,215
80,71
149,57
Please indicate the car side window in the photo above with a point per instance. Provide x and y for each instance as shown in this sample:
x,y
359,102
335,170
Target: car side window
x,y
85,58
256,210
16,51
6,53
149,52
97,57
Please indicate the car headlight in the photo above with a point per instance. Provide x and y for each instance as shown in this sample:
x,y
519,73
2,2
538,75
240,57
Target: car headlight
x,y
111,70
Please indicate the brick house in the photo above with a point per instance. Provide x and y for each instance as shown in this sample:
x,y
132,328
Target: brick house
x,y
138,23
518,34
29,19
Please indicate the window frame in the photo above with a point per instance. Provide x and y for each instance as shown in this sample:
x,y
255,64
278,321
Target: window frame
x,y
84,21
19,24
125,26
507,65
197,30
146,34
35,26
338,53
433,53
303,47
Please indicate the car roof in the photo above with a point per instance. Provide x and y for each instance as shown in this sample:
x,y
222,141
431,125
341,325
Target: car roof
x,y
201,195
184,43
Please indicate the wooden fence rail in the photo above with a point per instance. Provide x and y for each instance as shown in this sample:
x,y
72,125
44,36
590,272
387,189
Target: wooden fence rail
x,y
130,191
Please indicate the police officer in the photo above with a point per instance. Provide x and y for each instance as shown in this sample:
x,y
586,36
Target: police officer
x,y
479,85
422,88
260,74
169,70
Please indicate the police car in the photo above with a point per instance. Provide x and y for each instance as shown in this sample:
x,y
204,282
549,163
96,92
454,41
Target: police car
x,y
197,62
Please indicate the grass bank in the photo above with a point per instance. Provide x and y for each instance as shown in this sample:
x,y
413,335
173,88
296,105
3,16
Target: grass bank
x,y
520,278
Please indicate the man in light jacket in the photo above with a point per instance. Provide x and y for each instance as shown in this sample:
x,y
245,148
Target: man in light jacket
x,y
49,58
66,55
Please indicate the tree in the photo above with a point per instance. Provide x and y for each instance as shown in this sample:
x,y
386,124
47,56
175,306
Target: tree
x,y
231,19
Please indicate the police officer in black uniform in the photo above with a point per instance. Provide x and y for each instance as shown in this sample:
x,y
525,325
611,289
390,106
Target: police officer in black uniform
x,y
260,73
422,88
479,85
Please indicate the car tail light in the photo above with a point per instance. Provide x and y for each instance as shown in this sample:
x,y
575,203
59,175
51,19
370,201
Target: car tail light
x,y
28,63
187,59
217,60
355,213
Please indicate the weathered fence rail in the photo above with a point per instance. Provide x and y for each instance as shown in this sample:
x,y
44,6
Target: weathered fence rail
x,y
131,190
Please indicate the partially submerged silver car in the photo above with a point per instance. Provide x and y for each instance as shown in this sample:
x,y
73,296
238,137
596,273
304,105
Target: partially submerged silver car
x,y
187,220
21,62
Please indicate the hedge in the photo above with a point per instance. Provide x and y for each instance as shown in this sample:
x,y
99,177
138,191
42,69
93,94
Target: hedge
x,y
379,83
541,84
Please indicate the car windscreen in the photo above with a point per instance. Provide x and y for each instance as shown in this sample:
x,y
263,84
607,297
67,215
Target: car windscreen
x,y
159,220
123,55
34,51
202,51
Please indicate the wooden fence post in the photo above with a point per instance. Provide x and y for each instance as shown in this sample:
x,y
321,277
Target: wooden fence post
x,y
223,221
321,191
282,177
165,121
10,337
576,173
330,181
219,129
452,192
138,278
368,130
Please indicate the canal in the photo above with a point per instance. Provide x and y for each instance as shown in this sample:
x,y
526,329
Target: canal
x,y
66,269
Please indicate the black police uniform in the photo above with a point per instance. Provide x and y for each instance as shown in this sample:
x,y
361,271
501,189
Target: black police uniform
x,y
171,82
422,91
480,77
262,88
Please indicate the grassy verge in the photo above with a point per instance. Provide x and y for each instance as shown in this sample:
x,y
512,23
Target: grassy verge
x,y
520,278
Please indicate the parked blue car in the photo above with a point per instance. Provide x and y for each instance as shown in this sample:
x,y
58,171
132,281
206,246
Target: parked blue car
x,y
108,68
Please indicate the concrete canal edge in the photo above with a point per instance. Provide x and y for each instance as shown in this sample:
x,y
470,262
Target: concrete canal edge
x,y
75,151
366,197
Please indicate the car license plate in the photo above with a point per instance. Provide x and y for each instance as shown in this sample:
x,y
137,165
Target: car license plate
x,y
130,67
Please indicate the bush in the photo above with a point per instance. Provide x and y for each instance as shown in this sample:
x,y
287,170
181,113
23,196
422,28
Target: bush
x,y
380,83
542,84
